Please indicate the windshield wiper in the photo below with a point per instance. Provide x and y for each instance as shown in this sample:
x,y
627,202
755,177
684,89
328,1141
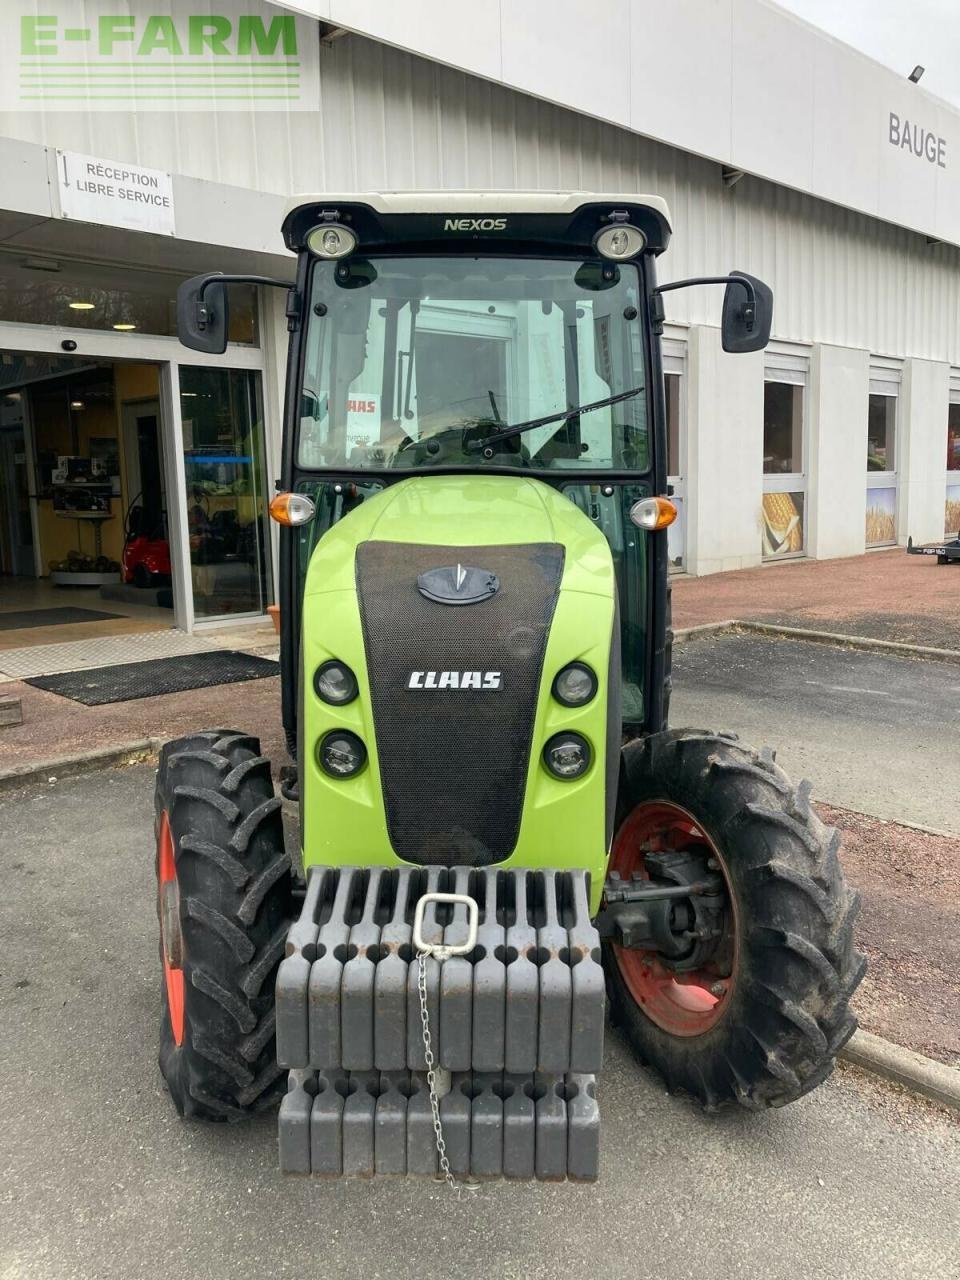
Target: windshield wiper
x,y
507,433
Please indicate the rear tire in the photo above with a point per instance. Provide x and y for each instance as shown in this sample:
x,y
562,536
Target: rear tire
x,y
783,1014
225,906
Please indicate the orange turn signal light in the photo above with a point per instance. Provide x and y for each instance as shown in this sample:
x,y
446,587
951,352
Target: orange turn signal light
x,y
292,508
653,513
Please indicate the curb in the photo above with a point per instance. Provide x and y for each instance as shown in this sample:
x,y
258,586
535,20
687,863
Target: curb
x,y
682,634
935,1080
865,643
80,762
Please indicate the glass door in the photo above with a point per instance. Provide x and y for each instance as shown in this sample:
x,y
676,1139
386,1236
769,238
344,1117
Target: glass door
x,y
881,522
223,453
784,463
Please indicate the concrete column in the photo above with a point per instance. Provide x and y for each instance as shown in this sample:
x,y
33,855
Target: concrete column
x,y
838,400
724,455
922,451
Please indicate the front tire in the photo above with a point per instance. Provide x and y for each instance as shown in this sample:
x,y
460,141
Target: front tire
x,y
763,1021
223,899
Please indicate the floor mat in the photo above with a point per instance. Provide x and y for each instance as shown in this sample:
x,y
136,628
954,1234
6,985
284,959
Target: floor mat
x,y
99,685
18,619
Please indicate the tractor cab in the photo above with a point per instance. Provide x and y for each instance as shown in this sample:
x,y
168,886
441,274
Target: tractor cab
x,y
484,333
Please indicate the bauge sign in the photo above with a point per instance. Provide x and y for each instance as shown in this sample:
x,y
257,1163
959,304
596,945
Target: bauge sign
x,y
117,195
917,140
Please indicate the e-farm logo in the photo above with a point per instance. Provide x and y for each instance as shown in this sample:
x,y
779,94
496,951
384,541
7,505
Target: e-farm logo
x,y
160,55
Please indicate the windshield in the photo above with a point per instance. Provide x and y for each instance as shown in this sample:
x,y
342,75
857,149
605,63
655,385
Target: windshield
x,y
413,362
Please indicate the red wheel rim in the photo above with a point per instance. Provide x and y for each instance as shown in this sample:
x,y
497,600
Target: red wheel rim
x,y
167,881
685,1004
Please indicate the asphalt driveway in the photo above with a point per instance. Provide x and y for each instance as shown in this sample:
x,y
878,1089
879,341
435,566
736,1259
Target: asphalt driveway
x,y
99,1179
873,733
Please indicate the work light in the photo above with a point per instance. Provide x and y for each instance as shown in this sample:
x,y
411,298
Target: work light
x,y
335,683
567,756
575,685
620,242
329,240
341,753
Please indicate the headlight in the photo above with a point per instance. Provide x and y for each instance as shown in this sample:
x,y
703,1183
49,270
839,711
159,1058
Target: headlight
x,y
575,685
341,754
329,240
619,242
335,683
567,756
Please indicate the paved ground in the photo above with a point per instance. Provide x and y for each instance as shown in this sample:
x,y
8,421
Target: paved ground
x,y
909,927
54,726
874,734
99,1180
887,595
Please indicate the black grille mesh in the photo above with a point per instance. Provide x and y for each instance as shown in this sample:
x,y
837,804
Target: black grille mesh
x,y
453,762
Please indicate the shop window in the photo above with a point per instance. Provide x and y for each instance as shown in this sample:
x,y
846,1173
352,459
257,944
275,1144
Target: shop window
x,y
80,295
784,478
881,433
782,428
223,448
881,519
951,515
676,535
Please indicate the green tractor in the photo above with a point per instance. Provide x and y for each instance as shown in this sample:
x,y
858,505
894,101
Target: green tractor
x,y
501,839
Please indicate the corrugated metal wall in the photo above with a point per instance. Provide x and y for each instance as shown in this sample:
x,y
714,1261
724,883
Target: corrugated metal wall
x,y
388,119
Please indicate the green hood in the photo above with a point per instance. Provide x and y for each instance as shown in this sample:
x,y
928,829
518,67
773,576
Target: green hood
x,y
467,510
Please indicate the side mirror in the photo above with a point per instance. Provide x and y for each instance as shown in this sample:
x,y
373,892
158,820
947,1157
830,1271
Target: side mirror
x,y
203,314
747,314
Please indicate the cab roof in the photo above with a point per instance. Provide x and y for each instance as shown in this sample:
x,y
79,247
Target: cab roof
x,y
385,218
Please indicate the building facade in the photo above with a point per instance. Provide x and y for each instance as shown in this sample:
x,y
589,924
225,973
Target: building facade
x,y
778,150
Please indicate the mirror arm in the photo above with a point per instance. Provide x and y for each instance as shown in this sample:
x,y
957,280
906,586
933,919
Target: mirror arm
x,y
749,307
218,277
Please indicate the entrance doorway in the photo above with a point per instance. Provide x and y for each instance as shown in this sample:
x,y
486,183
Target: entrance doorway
x,y
83,504
132,488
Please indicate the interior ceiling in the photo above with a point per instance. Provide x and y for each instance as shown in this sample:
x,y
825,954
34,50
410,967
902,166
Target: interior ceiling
x,y
57,237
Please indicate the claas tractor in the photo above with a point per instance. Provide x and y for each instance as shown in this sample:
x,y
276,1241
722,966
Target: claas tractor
x,y
501,839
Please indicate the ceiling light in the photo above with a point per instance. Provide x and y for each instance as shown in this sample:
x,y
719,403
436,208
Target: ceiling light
x,y
124,328
41,264
82,306
77,404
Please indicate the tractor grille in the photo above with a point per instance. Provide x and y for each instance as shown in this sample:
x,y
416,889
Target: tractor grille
x,y
453,762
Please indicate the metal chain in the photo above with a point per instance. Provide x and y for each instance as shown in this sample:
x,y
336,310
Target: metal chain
x,y
451,1181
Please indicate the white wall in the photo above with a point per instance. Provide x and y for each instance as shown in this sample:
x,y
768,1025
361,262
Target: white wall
x,y
837,404
388,119
924,399
725,452
740,81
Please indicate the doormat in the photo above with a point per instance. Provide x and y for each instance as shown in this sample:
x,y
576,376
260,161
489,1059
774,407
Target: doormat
x,y
130,680
20,618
